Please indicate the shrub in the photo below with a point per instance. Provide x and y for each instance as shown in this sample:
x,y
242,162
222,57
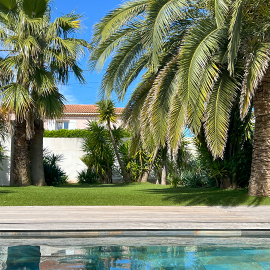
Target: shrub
x,y
174,180
88,177
65,133
194,180
54,175
99,154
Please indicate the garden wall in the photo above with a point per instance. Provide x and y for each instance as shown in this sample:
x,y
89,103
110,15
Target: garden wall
x,y
70,149
5,166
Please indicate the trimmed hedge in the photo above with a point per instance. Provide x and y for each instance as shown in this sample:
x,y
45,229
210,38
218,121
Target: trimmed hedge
x,y
75,133
65,133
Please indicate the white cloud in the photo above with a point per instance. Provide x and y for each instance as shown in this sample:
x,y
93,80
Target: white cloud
x,y
66,91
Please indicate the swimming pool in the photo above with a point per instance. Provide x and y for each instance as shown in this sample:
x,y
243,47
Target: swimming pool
x,y
153,253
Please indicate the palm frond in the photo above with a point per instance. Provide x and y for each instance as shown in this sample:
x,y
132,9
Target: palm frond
x,y
198,49
7,6
218,113
176,121
104,49
207,82
133,108
118,18
16,98
164,88
160,17
66,24
221,11
50,105
125,57
234,33
130,75
35,8
256,67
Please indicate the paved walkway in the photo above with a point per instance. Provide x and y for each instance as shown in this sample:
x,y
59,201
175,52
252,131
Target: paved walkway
x,y
39,218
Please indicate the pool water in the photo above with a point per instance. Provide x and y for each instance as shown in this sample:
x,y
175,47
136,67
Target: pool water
x,y
21,254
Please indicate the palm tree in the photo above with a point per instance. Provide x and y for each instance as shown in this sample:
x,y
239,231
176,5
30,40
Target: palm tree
x,y
221,53
40,55
134,42
107,115
99,152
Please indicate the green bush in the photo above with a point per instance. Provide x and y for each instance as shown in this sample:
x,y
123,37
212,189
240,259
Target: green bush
x,y
174,180
88,177
194,179
65,133
54,175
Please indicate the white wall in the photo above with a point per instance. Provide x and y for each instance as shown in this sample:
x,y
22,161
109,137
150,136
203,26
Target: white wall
x,y
5,172
70,148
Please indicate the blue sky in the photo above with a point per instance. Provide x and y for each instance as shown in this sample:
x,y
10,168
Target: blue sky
x,y
93,11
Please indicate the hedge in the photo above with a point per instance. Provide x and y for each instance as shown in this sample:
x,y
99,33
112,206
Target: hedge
x,y
65,133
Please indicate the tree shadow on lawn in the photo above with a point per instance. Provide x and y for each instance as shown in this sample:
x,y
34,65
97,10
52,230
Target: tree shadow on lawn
x,y
94,185
208,197
2,192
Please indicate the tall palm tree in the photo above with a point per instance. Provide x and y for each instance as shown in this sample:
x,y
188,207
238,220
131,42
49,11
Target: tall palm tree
x,y
221,53
40,55
107,115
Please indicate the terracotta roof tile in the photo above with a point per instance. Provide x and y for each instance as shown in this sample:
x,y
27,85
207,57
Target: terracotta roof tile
x,y
90,109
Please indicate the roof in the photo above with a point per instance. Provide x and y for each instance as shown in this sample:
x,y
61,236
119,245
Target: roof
x,y
85,109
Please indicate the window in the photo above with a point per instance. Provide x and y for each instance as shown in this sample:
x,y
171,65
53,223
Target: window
x,y
62,125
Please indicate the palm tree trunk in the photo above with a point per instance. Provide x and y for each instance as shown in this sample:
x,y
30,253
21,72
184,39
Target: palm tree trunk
x,y
147,172
259,184
20,175
123,170
164,173
36,155
164,165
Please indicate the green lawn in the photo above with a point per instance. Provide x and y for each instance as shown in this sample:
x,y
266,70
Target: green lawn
x,y
132,194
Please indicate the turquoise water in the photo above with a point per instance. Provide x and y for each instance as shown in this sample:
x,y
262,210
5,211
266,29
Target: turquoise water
x,y
119,257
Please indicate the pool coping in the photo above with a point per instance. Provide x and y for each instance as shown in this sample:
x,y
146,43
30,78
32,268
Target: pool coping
x,y
135,233
99,221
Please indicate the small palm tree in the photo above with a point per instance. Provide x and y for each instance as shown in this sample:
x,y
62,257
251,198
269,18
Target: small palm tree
x,y
99,152
107,115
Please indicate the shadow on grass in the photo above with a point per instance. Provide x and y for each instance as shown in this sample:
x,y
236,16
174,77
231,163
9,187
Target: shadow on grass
x,y
209,197
185,196
95,185
2,192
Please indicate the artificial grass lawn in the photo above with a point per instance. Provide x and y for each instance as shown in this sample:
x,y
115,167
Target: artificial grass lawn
x,y
131,194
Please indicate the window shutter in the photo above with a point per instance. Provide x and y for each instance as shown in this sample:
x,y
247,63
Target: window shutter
x,y
51,124
72,124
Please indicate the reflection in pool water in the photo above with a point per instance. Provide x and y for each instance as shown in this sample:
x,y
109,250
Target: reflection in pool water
x,y
157,257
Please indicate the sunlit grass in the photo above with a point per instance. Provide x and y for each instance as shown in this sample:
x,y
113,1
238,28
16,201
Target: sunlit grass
x,y
132,194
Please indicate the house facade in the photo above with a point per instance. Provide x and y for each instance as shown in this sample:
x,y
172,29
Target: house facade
x,y
77,117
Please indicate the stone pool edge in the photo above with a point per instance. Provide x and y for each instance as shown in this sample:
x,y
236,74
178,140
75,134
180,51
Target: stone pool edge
x,y
135,233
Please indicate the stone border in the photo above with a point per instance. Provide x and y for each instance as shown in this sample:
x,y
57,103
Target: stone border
x,y
135,233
